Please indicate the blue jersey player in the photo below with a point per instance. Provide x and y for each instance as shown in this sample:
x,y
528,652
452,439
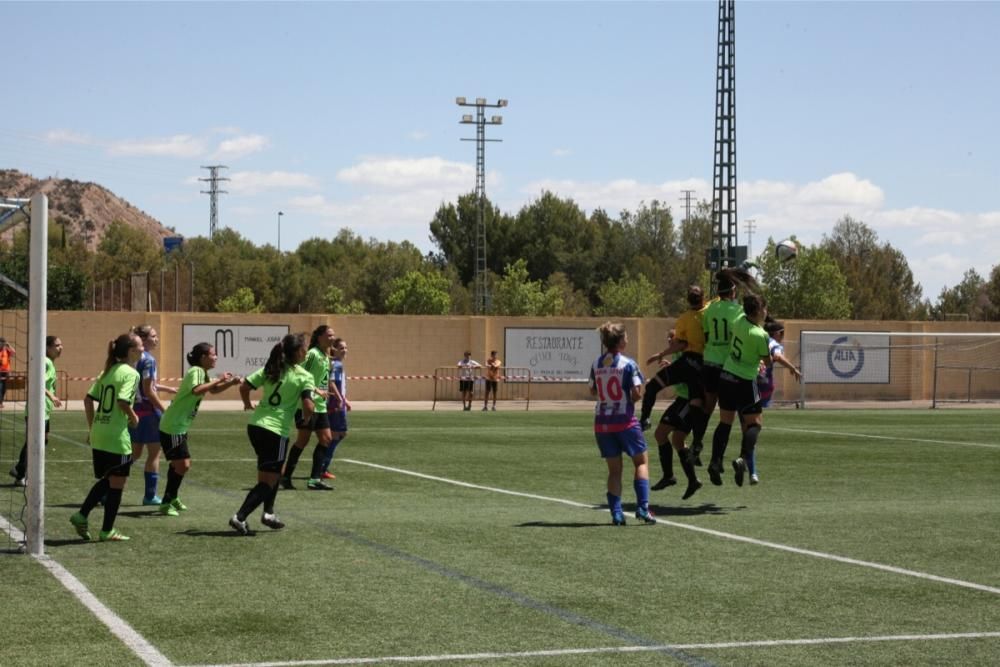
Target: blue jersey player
x,y
617,383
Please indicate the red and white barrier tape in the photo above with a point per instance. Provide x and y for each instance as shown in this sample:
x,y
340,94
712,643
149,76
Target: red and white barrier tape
x,y
506,378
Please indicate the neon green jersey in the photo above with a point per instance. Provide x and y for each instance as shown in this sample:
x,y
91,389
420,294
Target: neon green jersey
x,y
718,321
183,409
276,409
748,348
109,432
50,386
317,364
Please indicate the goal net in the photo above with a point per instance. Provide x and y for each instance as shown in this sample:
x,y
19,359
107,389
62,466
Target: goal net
x,y
919,368
22,419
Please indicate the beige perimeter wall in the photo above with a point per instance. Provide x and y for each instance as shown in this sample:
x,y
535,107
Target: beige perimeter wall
x,y
416,345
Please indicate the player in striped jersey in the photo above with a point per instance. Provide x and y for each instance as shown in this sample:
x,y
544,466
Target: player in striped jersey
x,y
617,383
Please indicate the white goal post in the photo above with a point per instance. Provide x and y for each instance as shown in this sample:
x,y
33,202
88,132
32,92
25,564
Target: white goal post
x,y
918,368
36,213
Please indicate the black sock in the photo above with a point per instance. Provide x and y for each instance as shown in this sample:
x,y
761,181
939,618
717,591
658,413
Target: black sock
x,y
111,504
271,497
97,492
720,440
255,497
684,455
699,424
666,459
292,461
22,462
174,480
319,454
649,398
749,441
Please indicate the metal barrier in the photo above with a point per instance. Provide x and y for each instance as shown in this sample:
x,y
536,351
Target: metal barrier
x,y
514,384
17,387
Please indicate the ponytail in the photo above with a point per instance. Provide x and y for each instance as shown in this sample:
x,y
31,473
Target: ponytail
x,y
118,349
284,355
197,352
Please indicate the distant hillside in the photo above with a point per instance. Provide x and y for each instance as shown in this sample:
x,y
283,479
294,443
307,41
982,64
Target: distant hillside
x,y
87,208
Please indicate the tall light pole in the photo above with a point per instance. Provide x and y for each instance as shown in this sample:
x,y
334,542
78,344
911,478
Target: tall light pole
x,y
280,213
482,295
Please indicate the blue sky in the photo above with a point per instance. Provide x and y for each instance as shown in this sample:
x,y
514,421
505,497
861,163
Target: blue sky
x,y
343,114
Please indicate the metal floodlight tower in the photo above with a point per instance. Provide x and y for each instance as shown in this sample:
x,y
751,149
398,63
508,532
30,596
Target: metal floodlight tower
x,y
482,294
725,250
213,192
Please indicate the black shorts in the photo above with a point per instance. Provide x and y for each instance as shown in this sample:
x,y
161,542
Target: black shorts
x,y
271,448
684,370
319,421
710,378
26,427
111,463
491,385
739,395
678,415
174,447
465,385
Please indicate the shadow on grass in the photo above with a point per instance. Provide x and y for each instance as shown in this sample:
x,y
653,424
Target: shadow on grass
x,y
561,524
215,533
70,542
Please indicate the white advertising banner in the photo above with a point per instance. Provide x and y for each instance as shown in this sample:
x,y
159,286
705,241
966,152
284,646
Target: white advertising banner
x,y
562,355
839,358
241,348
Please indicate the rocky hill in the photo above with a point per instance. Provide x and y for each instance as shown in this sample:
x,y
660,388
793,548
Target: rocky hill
x,y
87,209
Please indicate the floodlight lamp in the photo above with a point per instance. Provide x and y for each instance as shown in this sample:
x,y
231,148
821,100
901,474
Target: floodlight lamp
x,y
497,120
467,118
480,100
502,103
459,100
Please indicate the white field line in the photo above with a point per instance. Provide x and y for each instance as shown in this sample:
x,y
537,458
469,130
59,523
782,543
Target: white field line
x,y
611,649
119,628
869,436
706,531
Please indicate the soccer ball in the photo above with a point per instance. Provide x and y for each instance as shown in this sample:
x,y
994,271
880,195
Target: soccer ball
x,y
786,250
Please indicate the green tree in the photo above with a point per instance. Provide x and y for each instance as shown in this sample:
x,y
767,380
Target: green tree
x,y
516,294
553,234
628,297
878,277
653,244
453,231
808,287
125,250
966,300
241,301
991,291
335,303
419,293
575,302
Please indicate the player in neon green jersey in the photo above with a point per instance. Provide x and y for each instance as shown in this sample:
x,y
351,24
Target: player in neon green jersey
x,y
718,319
317,364
177,419
285,386
738,391
53,349
108,406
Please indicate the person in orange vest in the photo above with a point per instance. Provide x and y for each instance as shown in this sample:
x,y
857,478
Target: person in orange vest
x,y
6,352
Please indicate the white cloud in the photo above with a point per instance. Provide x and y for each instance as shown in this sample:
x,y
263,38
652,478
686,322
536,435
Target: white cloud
x,y
418,135
254,182
179,145
67,137
237,147
841,189
624,193
402,173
